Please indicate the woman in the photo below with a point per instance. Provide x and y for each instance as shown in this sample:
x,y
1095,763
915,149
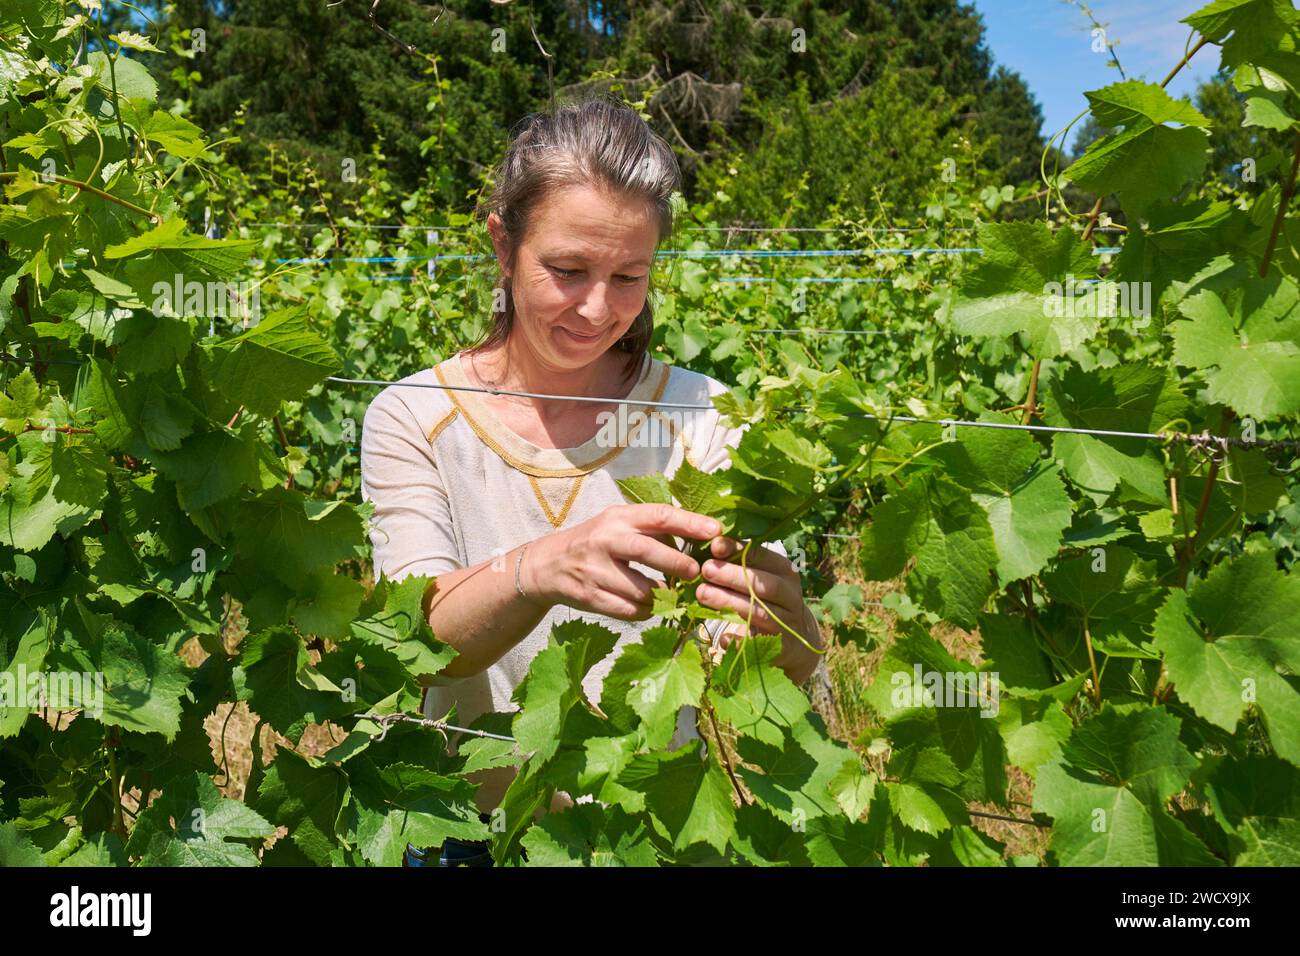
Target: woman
x,y
512,501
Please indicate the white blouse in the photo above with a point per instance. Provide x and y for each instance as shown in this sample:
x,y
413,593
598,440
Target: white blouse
x,y
453,486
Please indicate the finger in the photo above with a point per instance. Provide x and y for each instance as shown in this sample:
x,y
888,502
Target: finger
x,y
653,553
661,518
770,587
759,556
723,598
627,592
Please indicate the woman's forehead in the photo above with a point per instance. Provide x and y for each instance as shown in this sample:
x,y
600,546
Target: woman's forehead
x,y
585,223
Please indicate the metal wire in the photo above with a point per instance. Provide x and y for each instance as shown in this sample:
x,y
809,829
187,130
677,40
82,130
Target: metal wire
x,y
1203,440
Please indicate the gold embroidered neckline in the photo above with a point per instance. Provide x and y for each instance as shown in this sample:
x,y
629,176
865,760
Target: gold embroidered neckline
x,y
529,458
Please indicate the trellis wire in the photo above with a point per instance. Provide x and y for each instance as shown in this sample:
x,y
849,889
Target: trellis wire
x,y
690,254
469,226
1203,440
386,720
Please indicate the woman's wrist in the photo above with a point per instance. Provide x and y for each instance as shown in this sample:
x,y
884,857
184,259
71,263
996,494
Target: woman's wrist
x,y
531,580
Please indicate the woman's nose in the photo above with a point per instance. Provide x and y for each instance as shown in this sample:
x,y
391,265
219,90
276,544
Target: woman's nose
x,y
595,306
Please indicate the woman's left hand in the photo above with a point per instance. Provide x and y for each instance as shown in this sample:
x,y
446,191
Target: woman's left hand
x,y
776,581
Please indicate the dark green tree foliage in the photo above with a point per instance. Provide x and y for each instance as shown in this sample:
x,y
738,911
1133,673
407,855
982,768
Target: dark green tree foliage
x,y
1231,143
322,82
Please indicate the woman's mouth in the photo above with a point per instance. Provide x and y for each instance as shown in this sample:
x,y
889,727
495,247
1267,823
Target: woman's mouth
x,y
577,337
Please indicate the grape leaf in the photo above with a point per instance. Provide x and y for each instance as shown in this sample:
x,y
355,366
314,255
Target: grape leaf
x,y
307,798
1145,159
687,794
1107,793
1250,351
588,834
277,360
192,824
1225,640
1024,498
935,520
404,803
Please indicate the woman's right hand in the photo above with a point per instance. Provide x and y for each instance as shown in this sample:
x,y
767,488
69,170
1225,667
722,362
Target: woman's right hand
x,y
586,566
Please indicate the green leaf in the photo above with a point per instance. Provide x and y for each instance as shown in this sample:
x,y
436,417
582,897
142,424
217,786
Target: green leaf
x,y
754,696
277,360
1256,26
935,520
22,403
289,536
212,467
588,834
553,684
652,489
1024,498
277,679
143,683
1107,793
134,41
1047,333
687,794
133,80
698,491
328,608
17,849
841,600
1146,159
1128,398
661,683
29,527
306,797
173,254
1257,800
27,659
192,824
393,618
1226,640
794,780
1250,351
1033,731
1026,257
919,808
1113,594
403,803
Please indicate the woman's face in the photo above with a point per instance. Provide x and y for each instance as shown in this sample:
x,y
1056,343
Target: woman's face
x,y
581,274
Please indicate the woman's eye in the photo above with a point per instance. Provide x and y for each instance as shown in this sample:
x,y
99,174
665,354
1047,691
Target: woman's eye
x,y
570,273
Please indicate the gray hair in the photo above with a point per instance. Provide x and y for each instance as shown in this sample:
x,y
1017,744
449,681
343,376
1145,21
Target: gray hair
x,y
601,143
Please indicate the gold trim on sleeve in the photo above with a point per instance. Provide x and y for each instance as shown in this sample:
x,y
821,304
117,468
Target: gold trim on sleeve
x,y
436,430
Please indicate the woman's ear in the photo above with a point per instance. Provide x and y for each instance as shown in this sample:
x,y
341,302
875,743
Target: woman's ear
x,y
501,245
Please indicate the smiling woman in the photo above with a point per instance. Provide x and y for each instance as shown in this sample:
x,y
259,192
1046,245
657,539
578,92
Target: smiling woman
x,y
512,502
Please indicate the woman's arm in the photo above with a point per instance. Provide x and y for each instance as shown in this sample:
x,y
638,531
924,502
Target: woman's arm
x,y
481,613
483,609
476,609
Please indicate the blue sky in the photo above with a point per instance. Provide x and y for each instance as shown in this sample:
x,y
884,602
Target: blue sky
x,y
1049,43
